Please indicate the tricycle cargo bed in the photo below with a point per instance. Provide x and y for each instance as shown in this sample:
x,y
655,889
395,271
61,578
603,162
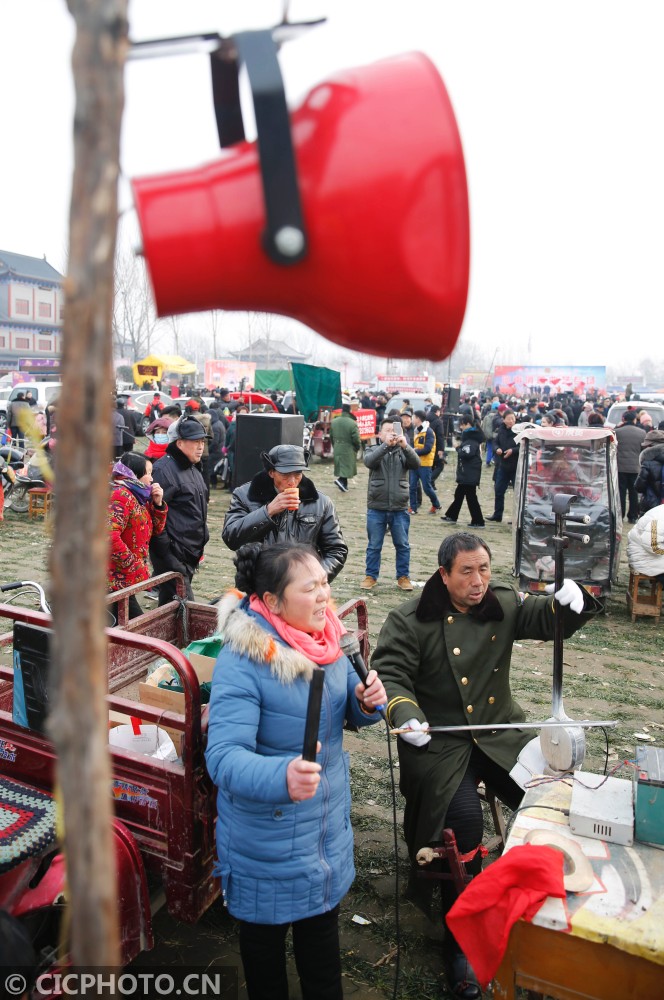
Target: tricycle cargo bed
x,y
169,808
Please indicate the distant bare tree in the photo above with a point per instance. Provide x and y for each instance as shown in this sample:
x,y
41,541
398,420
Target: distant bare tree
x,y
652,369
260,326
134,317
215,328
172,326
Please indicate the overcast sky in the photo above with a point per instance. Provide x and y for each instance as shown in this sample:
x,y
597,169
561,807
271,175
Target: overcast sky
x,y
560,108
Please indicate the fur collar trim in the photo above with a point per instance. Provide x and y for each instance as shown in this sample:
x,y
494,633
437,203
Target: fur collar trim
x,y
178,456
435,602
654,453
261,489
244,634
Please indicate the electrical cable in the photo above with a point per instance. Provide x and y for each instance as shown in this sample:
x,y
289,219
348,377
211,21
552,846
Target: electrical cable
x,y
606,754
510,822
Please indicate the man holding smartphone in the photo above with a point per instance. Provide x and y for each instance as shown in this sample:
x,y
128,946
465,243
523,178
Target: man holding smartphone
x,y
389,464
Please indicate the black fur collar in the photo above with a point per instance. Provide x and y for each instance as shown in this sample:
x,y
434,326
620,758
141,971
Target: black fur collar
x,y
435,603
261,489
179,456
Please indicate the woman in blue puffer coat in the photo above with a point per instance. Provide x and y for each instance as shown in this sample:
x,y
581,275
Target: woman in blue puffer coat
x,y
284,838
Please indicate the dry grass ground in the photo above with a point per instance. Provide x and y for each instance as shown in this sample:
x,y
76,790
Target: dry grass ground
x,y
613,669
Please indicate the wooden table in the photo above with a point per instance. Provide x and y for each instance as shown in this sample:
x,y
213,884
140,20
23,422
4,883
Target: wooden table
x,y
606,943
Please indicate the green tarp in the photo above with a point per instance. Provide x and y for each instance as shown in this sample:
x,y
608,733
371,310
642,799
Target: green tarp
x,y
316,387
266,380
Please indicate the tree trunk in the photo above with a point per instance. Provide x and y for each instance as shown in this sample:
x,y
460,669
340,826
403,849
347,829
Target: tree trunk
x,y
79,558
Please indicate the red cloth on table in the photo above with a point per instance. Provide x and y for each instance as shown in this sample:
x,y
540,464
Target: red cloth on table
x,y
512,888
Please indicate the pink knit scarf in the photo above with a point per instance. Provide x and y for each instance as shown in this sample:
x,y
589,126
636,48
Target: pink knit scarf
x,y
321,647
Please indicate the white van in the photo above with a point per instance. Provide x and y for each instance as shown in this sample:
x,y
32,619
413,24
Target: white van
x,y
617,411
43,392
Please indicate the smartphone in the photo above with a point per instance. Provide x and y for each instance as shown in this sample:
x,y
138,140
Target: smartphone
x,y
397,428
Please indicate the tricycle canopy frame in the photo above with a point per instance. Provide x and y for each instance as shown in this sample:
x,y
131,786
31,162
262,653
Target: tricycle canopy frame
x,y
579,460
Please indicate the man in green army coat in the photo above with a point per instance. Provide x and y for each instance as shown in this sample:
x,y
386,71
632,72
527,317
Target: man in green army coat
x,y
444,659
346,440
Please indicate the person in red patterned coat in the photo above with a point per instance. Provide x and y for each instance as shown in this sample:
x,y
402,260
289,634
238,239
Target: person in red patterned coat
x,y
136,512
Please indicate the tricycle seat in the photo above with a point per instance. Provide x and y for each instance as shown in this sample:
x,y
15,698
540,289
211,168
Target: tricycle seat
x,y
27,822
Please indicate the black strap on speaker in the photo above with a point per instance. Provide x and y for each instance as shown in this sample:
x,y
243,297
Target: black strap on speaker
x,y
284,237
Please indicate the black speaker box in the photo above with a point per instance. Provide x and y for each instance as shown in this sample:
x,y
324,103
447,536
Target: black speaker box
x,y
257,432
453,398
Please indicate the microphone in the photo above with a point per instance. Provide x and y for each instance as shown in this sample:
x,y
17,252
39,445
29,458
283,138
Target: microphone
x,y
351,648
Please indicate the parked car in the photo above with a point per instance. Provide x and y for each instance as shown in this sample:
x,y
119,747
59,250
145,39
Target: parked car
x,y
43,392
615,414
416,401
140,399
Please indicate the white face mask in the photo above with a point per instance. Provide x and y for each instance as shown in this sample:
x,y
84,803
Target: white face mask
x,y
161,438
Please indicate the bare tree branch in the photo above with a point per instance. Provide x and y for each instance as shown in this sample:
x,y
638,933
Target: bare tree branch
x,y
134,317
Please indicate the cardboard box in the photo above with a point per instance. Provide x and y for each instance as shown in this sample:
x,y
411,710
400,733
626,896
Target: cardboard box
x,y
173,701
118,719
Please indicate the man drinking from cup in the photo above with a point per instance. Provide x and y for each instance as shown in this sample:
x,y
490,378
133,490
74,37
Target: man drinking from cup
x,y
281,504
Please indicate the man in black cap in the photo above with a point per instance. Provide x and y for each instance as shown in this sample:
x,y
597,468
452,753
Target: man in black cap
x,y
283,505
180,547
133,425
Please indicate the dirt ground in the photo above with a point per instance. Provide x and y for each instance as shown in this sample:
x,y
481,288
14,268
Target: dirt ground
x,y
613,670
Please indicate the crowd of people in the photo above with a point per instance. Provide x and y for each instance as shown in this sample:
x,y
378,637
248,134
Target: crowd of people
x,y
284,835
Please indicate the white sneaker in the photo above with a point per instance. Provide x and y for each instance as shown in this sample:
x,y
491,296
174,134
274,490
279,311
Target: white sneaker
x,y
344,489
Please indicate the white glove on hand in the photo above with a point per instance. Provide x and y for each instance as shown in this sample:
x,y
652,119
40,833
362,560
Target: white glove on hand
x,y
420,737
570,593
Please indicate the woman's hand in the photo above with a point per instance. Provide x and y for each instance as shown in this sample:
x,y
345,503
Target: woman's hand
x,y
157,494
303,778
373,694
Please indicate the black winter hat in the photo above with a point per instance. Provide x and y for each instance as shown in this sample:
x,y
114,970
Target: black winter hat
x,y
285,458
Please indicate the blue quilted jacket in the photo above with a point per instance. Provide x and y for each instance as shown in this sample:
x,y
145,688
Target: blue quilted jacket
x,y
279,860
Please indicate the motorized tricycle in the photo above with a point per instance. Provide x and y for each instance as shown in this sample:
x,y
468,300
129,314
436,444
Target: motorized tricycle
x,y
571,460
165,811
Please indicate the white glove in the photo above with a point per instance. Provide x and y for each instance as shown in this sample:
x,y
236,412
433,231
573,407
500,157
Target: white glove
x,y
570,593
419,738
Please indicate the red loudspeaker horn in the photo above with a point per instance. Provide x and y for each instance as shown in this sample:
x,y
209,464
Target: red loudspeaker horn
x,y
385,203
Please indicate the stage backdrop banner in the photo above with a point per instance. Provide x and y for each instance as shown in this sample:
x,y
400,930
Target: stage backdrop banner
x,y
229,373
522,379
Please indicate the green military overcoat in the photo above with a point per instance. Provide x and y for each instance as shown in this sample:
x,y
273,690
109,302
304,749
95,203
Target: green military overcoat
x,y
346,440
449,668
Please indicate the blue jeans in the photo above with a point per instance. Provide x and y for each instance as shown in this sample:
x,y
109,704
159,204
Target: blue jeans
x,y
424,475
504,478
398,522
